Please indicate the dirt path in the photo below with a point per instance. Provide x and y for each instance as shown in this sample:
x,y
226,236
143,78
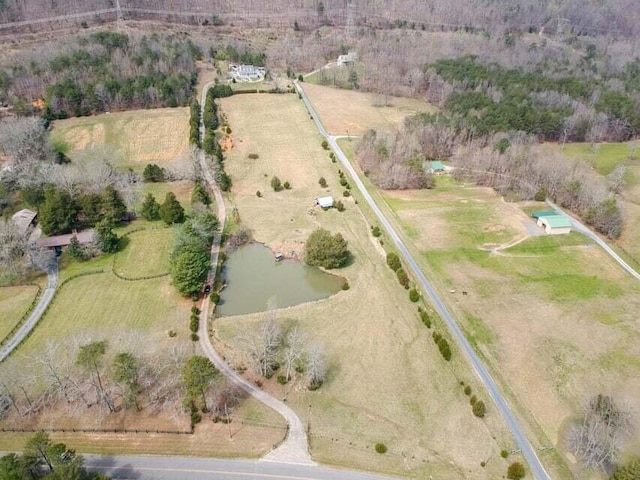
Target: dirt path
x,y
295,447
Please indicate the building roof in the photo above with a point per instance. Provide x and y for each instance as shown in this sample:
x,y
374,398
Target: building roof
x,y
557,221
86,236
23,219
325,202
544,213
437,165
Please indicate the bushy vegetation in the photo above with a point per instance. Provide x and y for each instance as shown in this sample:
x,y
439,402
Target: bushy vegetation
x,y
153,173
516,471
381,448
190,259
171,211
325,250
194,123
393,261
102,71
629,471
403,278
210,144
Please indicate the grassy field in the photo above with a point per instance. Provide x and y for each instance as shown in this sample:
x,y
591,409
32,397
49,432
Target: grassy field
x,y
142,136
350,112
372,334
604,157
146,252
14,302
552,316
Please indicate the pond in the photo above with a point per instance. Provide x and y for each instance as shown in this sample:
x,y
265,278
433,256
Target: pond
x,y
253,278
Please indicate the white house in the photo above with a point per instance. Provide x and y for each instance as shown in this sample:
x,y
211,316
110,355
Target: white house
x,y
350,57
247,73
324,202
555,224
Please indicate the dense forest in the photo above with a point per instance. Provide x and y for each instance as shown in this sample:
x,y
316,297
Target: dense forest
x,y
100,72
616,17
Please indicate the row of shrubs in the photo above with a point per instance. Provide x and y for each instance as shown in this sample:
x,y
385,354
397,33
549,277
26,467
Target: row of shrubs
x,y
194,323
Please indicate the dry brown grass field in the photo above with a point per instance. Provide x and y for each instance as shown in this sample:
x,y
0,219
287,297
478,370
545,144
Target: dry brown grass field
x,y
14,302
349,112
554,317
143,136
387,382
252,433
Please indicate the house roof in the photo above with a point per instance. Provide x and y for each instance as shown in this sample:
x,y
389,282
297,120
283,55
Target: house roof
x,y
86,236
557,221
23,219
437,165
325,202
544,213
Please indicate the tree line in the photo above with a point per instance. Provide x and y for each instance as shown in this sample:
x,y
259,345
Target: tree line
x,y
100,72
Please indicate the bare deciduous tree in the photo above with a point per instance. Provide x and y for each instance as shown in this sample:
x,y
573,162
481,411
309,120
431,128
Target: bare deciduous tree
x,y
262,344
316,366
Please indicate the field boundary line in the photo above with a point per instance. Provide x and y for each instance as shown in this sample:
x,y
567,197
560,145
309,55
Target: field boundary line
x,y
25,315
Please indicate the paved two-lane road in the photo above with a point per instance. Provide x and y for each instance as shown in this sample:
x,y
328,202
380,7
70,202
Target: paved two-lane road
x,y
502,405
191,468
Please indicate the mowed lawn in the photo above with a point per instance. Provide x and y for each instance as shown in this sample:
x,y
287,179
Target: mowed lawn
x,y
146,252
351,112
386,381
554,317
14,302
142,136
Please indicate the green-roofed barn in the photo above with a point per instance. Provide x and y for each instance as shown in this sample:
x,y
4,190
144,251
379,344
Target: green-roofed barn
x,y
437,168
555,224
544,213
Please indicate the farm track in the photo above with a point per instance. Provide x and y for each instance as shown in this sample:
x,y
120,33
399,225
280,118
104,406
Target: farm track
x,y
501,403
295,448
36,314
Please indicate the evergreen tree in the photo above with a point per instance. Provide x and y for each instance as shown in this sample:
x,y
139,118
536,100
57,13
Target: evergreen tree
x,y
75,250
153,173
58,212
113,208
171,211
189,267
150,208
108,241
326,250
200,195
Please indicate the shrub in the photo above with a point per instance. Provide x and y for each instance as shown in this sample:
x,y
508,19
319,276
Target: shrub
x,y
325,144
325,250
228,130
282,379
195,310
478,409
516,471
424,316
467,390
322,182
436,337
381,448
393,261
345,286
276,184
194,323
215,297
171,211
630,471
196,418
403,279
376,232
332,156
287,185
343,181
473,400
444,348
254,156
339,206
258,194
172,333
346,193
414,296
504,453
483,464
194,337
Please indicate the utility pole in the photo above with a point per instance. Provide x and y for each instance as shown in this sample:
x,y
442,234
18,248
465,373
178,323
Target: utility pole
x,y
119,18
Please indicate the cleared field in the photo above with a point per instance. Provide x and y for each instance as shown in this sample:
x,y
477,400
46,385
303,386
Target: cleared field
x,y
554,317
254,430
386,382
146,253
349,112
14,302
143,136
182,190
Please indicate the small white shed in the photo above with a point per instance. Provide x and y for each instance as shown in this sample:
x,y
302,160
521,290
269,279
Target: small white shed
x,y
555,224
324,202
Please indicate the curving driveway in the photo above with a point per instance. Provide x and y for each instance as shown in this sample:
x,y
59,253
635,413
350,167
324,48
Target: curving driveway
x,y
501,403
295,448
36,314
